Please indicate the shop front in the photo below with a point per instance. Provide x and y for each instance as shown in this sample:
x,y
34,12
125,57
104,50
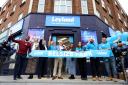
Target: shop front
x,y
61,27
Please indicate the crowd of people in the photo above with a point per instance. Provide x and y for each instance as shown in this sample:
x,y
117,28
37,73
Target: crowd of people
x,y
113,64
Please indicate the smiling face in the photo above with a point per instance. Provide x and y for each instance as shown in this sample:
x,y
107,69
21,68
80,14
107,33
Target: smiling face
x,y
79,44
52,42
91,40
103,40
27,38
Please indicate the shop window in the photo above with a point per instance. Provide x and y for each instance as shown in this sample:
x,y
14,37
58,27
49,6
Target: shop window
x,y
36,33
86,35
41,6
62,6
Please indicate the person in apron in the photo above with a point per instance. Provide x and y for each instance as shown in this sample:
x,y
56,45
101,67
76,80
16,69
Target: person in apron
x,y
32,62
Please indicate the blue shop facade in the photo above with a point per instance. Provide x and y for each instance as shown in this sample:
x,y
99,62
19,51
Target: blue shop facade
x,y
72,28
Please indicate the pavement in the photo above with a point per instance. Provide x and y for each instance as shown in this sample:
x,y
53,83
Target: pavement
x,y
8,80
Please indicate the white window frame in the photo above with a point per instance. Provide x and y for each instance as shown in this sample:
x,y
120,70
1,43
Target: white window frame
x,y
125,23
119,16
4,8
41,6
98,14
103,3
9,25
122,29
23,1
7,15
14,8
109,11
1,21
63,6
20,16
106,21
84,6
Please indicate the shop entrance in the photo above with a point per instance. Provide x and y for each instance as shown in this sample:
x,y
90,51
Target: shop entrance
x,y
66,39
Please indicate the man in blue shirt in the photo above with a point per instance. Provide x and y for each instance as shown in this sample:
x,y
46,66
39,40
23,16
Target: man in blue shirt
x,y
50,61
109,61
95,62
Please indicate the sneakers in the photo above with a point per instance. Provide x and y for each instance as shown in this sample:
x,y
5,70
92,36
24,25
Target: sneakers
x,y
30,77
100,79
54,77
115,80
109,79
60,77
71,77
94,78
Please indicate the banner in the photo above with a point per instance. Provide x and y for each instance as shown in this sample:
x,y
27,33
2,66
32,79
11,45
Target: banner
x,y
70,54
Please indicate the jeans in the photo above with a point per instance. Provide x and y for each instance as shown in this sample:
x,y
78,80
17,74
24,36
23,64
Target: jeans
x,y
71,66
57,64
20,60
111,63
50,63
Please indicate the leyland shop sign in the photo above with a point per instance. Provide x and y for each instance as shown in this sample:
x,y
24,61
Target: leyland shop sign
x,y
66,21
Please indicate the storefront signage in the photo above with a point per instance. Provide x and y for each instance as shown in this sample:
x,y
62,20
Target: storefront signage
x,y
70,54
17,27
67,21
4,34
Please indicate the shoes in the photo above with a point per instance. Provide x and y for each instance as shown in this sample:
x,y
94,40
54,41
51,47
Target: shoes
x,y
83,78
54,77
71,77
60,78
19,77
109,79
30,77
94,78
115,80
14,79
100,79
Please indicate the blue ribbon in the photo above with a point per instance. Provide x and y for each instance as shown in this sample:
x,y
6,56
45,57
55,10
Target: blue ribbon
x,y
70,54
